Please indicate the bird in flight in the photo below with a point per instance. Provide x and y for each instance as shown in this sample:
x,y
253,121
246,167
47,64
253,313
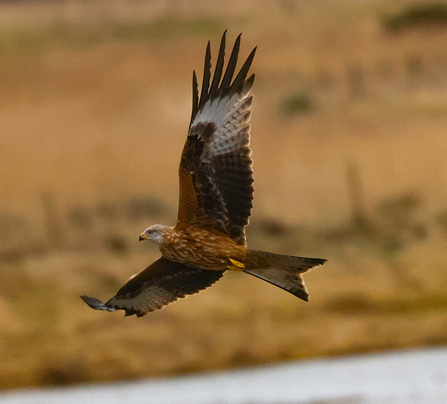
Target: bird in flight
x,y
216,194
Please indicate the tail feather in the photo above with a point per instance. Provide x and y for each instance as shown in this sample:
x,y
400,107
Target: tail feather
x,y
283,271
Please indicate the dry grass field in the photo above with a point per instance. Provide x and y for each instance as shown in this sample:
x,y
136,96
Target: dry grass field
x,y
349,142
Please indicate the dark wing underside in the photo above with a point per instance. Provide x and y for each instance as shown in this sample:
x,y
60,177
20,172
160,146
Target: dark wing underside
x,y
216,176
161,283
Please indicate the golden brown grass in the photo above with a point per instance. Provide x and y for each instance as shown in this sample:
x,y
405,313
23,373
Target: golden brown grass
x,y
93,121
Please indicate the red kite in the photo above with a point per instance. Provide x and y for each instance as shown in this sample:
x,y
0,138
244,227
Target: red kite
x,y
216,194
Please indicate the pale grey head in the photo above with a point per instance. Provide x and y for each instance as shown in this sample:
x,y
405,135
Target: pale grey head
x,y
154,233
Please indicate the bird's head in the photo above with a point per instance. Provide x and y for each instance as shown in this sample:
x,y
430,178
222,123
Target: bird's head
x,y
154,233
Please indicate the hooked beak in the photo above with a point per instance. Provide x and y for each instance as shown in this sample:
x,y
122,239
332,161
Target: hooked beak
x,y
143,237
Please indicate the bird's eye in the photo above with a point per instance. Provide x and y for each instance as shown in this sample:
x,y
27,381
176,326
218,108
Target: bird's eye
x,y
150,231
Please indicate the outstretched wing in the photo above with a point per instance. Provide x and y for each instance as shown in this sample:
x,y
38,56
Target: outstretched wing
x,y
161,283
216,176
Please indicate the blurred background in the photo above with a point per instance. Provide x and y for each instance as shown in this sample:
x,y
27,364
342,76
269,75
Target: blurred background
x,y
349,142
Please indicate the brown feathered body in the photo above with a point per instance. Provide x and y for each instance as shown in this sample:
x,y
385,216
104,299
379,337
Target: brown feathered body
x,y
201,248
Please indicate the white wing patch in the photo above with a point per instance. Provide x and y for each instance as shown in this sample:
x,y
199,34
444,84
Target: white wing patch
x,y
150,299
231,115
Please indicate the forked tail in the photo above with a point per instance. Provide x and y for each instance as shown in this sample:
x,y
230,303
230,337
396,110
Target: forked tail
x,y
283,271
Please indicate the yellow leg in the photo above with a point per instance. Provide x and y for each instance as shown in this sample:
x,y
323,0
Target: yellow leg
x,y
236,265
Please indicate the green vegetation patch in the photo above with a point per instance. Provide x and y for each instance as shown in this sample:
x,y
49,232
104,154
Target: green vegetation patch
x,y
361,304
298,103
415,16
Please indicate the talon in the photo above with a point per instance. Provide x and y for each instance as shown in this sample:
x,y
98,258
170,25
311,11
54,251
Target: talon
x,y
235,265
